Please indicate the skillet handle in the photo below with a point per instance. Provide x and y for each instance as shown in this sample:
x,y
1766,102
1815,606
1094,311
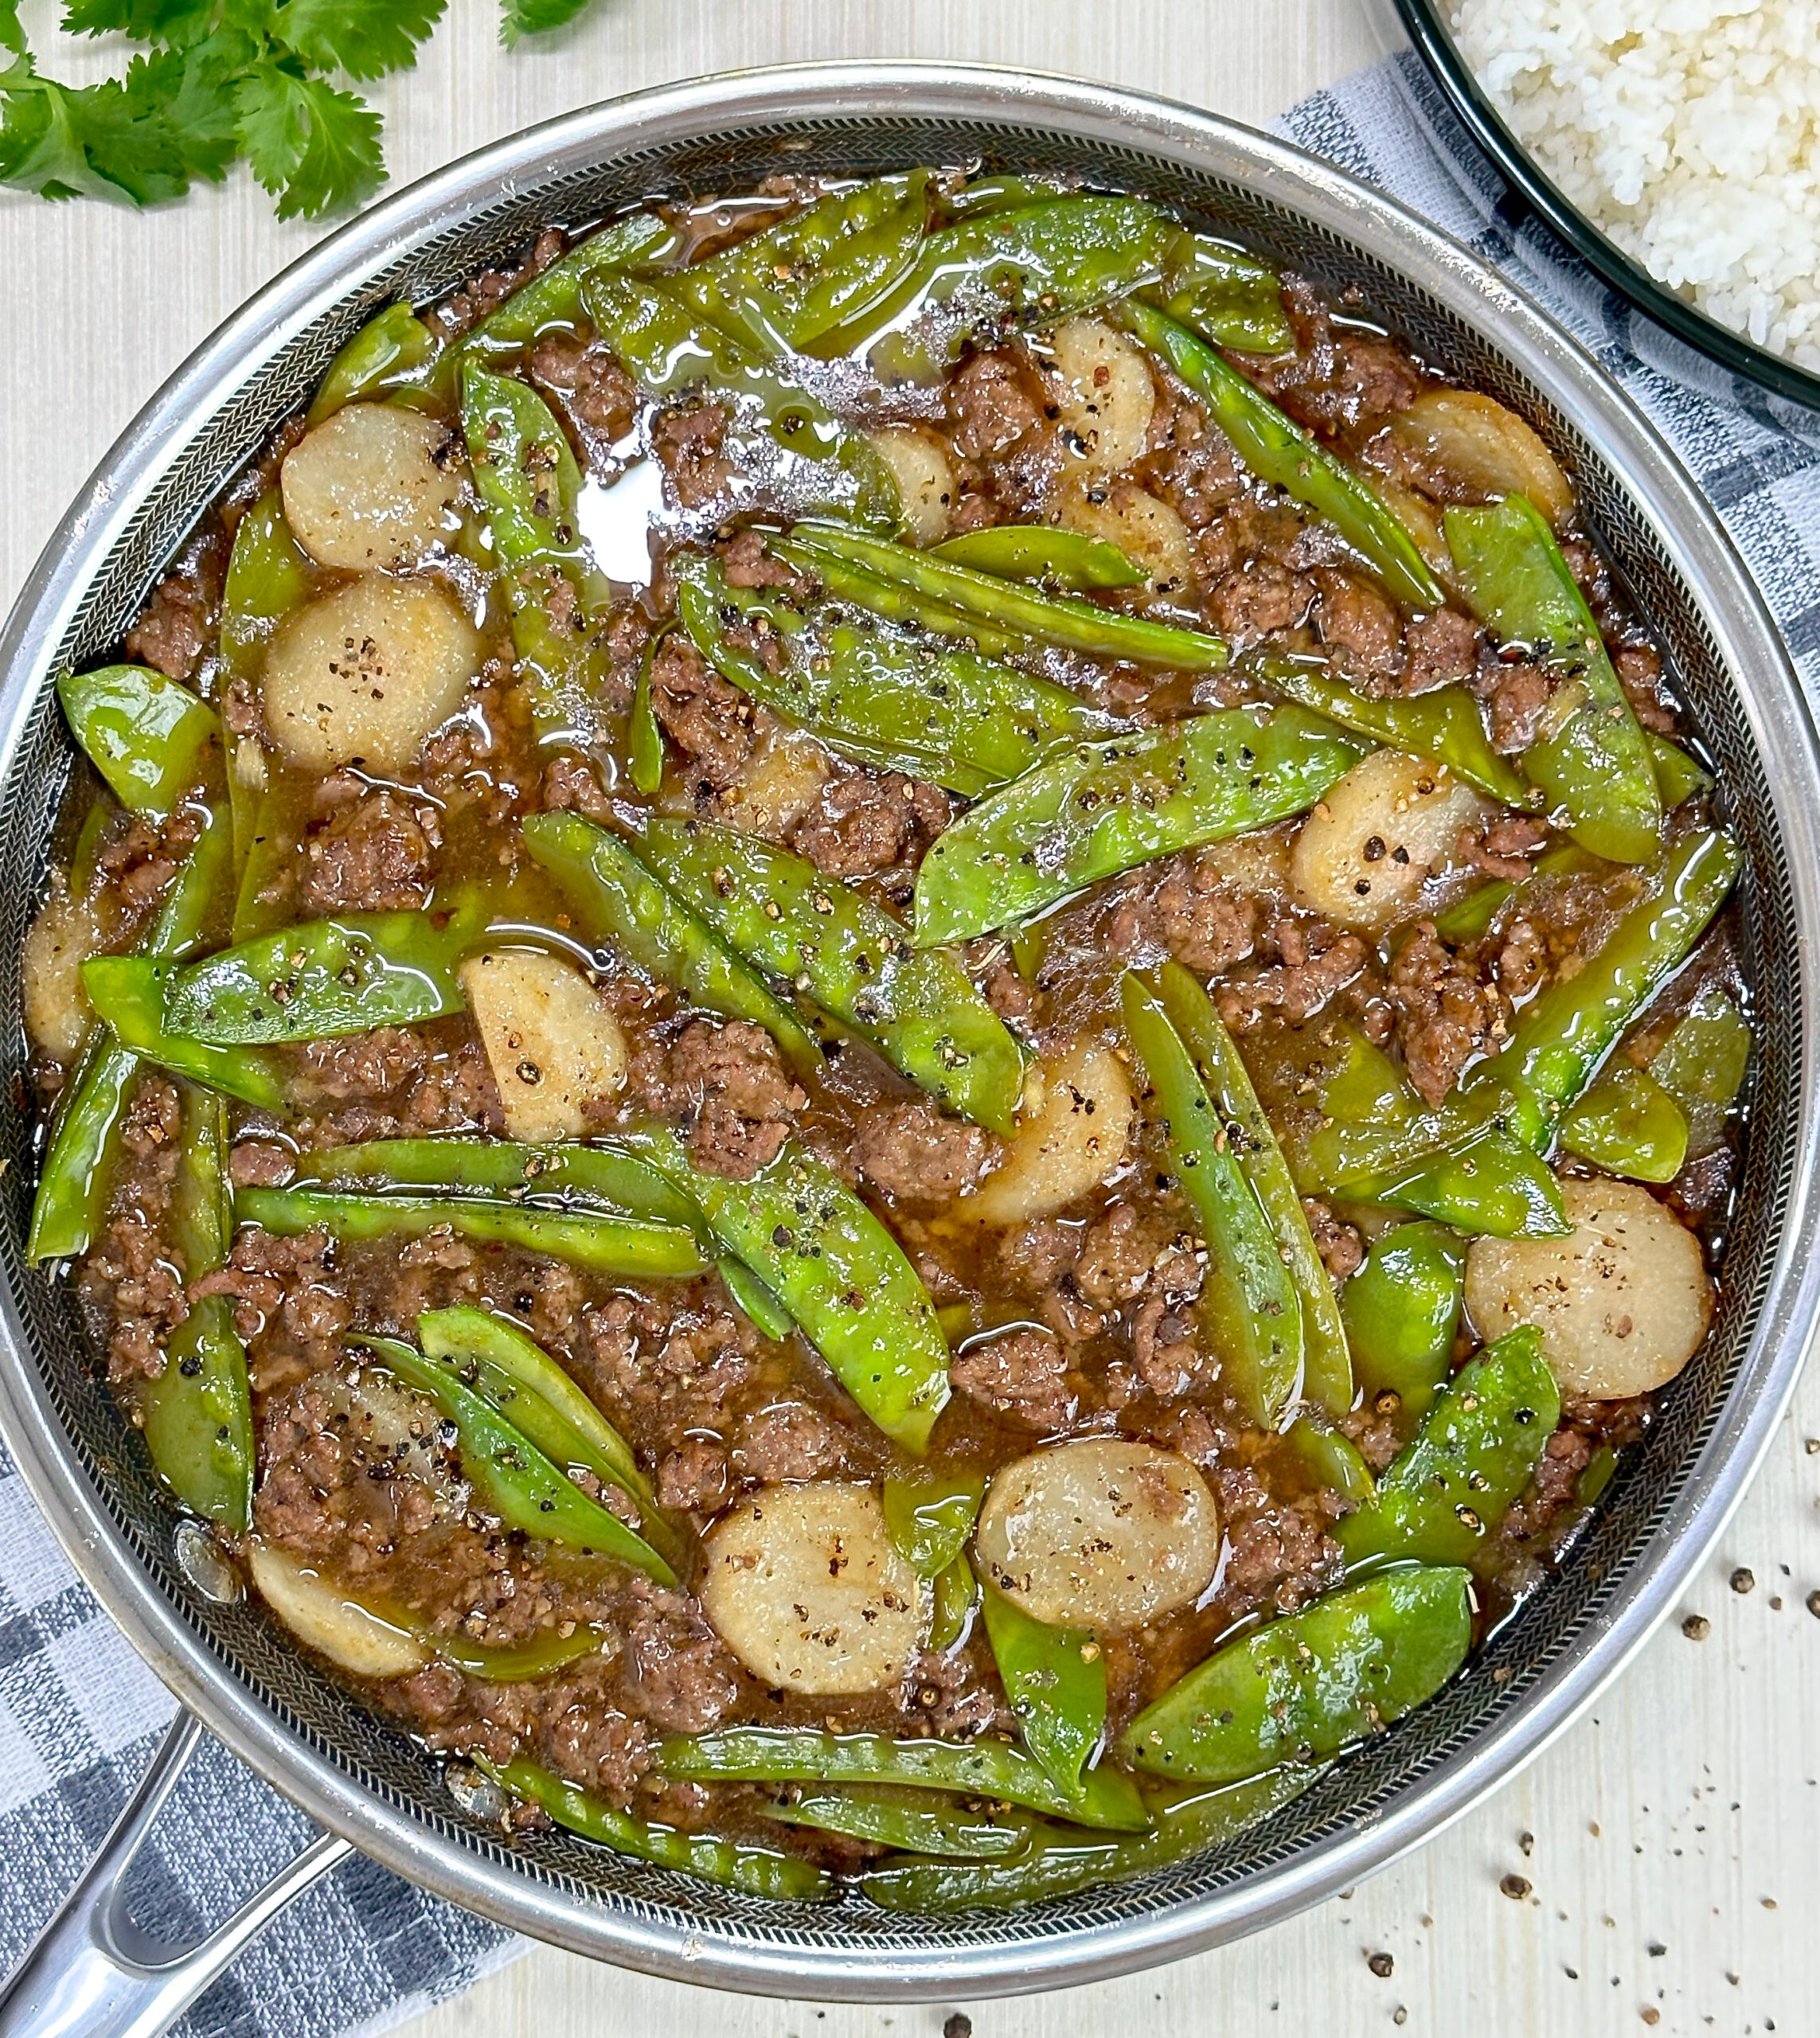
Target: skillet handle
x,y
94,1972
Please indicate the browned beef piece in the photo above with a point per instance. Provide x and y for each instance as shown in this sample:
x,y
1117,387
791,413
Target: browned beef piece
x,y
141,859
1359,626
1281,1555
1336,378
679,1675
1640,673
726,1083
865,823
1340,1246
127,1275
1443,647
1163,1347
259,1164
1187,911
373,855
992,407
1190,467
1258,598
1117,1250
668,1373
1514,694
689,443
172,627
364,1064
791,1440
914,1152
959,1695
694,1477
746,563
1022,1375
274,1279
1522,960
1445,1015
483,293
709,721
590,387
1312,963
574,781
1503,847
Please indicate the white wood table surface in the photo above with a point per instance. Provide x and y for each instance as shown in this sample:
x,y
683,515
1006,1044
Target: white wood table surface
x,y
1656,1867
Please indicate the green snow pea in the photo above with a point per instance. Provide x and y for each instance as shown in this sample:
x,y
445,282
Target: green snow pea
x,y
990,1769
999,193
1249,1307
853,587
324,978
618,898
72,1184
1628,1124
528,479
886,696
904,1819
780,290
944,592
1326,1366
1442,1499
522,1663
1594,764
1278,450
1469,918
956,1595
1305,1686
667,351
1678,775
197,1415
785,917
1331,1458
150,737
751,1294
644,740
733,1864
838,1272
1100,808
1401,1309
1701,1065
1059,1862
127,992
268,576
389,354
1055,1678
633,1247
1491,1185
1037,552
929,1518
554,298
516,1480
1444,724
1223,295
1004,271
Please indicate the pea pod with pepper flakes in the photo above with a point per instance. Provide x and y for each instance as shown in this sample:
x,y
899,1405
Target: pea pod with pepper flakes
x,y
1055,1678
800,926
1221,294
267,576
884,696
1065,559
197,1415
1101,808
1628,1124
149,736
1440,1502
128,993
1277,449
389,356
1401,1309
1303,1687
619,899
913,1821
552,300
1591,762
528,479
516,1480
839,1273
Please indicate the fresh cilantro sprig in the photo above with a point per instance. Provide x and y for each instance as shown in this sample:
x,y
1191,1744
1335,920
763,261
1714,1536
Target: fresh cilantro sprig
x,y
222,80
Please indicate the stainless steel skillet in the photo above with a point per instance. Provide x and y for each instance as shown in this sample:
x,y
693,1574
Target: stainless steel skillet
x,y
366,1784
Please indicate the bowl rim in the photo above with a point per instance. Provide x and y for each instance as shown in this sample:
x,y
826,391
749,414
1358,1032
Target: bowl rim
x,y
1431,36
1770,702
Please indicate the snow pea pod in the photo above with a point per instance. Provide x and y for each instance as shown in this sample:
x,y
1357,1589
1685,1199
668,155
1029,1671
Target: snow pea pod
x,y
839,1273
1468,919
853,587
1593,763
1678,775
388,353
1101,808
1055,1678
644,740
881,694
1401,1309
751,1294
1326,1366
1059,1861
1702,1064
324,978
632,1247
902,1818
780,290
1278,450
516,1480
1331,1458
955,1595
786,918
929,1518
1249,1307
267,576
1223,295
997,273
554,298
1490,1184
1006,606
197,1415
72,1184
988,1769
668,351
528,479
1442,1499
127,992
1444,724
1628,1124
148,737
1305,1686
1037,552
735,1864
619,899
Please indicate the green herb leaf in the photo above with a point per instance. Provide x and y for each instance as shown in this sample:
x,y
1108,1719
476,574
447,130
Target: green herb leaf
x,y
518,17
365,38
313,147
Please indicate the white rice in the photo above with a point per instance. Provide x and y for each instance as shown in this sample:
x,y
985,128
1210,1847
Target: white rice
x,y
1689,130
